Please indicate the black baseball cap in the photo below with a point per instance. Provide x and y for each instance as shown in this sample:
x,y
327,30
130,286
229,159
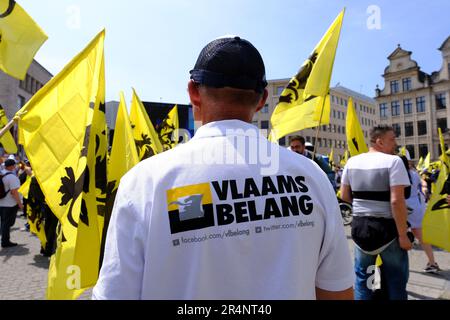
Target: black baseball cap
x,y
10,162
230,62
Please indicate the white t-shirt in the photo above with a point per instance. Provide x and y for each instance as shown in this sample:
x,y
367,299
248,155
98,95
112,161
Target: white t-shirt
x,y
11,182
372,175
182,229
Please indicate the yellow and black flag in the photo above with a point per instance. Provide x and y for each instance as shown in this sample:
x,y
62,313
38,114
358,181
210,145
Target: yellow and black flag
x,y
145,135
123,158
7,139
55,128
355,136
20,39
169,130
436,222
305,103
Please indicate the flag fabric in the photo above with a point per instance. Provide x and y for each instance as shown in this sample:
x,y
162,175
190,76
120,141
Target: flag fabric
x,y
124,154
355,136
145,135
403,151
436,222
305,102
20,39
427,162
55,128
419,166
7,140
444,157
169,130
345,158
331,158
124,157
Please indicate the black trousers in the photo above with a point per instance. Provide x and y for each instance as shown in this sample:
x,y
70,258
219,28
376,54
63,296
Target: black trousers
x,y
8,219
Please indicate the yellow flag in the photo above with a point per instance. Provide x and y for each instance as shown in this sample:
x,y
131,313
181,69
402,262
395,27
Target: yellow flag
x,y
145,136
345,158
25,187
436,222
355,136
305,101
55,126
419,166
124,154
403,151
444,157
90,224
426,163
20,39
169,130
7,140
331,158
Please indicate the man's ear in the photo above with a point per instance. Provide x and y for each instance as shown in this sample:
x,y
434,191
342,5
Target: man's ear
x,y
263,100
194,93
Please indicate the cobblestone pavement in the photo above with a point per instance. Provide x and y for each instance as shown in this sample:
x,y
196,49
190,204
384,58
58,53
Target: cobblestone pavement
x,y
23,271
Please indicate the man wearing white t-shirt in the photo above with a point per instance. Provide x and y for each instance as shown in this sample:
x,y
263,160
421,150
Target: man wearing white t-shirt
x,y
375,183
10,204
227,215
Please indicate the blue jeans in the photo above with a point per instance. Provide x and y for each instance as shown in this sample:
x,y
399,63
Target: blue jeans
x,y
394,273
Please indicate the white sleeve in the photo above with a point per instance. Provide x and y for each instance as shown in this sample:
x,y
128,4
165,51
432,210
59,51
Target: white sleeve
x,y
335,271
398,175
345,179
123,264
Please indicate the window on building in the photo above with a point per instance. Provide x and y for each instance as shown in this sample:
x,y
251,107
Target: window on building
x,y
343,129
20,101
320,142
421,104
395,108
440,101
407,106
383,110
345,102
409,129
339,129
421,127
342,101
28,83
264,124
324,128
411,150
407,86
280,90
313,139
334,114
334,128
423,150
397,129
394,87
332,98
442,123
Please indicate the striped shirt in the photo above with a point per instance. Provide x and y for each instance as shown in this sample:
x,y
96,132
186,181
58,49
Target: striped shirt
x,y
370,177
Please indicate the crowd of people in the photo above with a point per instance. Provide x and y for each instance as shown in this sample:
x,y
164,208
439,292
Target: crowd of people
x,y
29,202
227,231
389,199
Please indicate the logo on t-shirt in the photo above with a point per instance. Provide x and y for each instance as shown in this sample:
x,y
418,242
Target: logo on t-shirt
x,y
192,208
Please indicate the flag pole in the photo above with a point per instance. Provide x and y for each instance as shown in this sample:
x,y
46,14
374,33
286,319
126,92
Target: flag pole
x,y
7,127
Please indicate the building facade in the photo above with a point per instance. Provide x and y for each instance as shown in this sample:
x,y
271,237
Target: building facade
x,y
332,136
416,103
15,93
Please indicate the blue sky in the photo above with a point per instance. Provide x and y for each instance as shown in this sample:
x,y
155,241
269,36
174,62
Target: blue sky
x,y
151,45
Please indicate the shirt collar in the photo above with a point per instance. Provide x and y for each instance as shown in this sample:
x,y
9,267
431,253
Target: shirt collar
x,y
227,128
